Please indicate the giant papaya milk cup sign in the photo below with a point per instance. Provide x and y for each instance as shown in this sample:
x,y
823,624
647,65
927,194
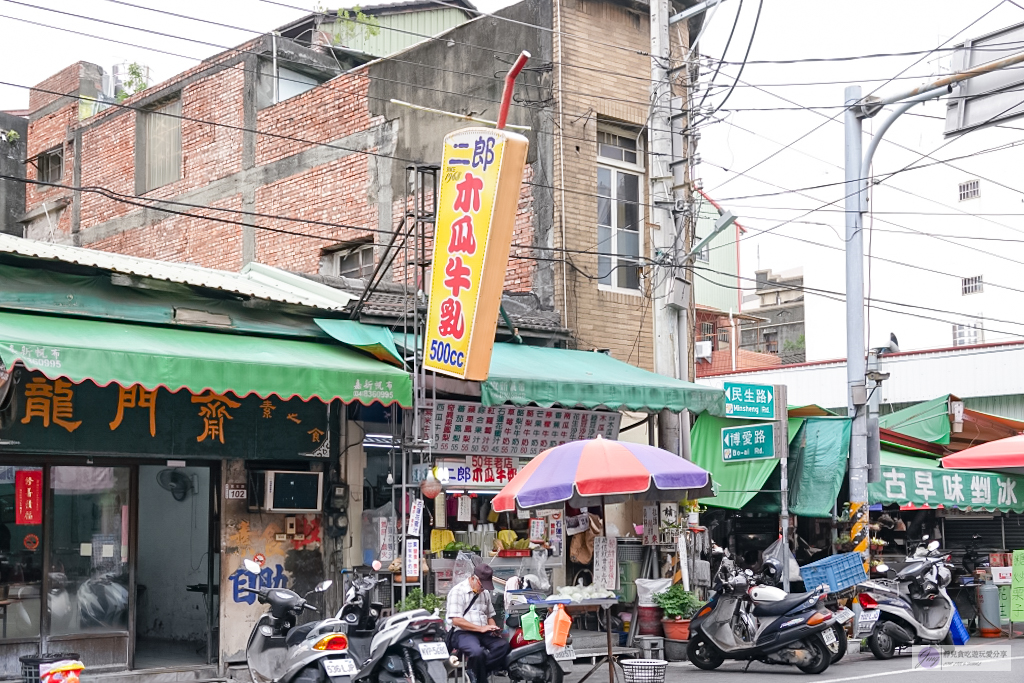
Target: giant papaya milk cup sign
x,y
479,192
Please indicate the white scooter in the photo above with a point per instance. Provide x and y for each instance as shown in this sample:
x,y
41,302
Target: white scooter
x,y
915,608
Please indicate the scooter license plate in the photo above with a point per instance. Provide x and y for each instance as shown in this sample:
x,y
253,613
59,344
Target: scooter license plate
x,y
844,615
340,667
829,636
867,620
562,654
429,651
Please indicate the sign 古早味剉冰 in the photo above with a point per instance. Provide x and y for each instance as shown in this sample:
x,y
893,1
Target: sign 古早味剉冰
x,y
479,192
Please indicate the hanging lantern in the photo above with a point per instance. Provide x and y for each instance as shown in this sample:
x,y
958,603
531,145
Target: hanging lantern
x,y
430,486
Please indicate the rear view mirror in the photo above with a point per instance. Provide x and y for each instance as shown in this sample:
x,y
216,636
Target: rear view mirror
x,y
323,586
925,537
251,566
882,568
933,545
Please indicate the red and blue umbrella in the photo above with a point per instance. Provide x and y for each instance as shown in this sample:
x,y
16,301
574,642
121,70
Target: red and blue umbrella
x,y
599,471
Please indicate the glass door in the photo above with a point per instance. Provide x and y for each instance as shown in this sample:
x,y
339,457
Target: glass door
x,y
21,552
89,562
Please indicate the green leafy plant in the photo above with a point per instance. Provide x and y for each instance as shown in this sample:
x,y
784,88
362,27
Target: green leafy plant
x,y
136,82
415,599
11,136
351,23
688,506
677,603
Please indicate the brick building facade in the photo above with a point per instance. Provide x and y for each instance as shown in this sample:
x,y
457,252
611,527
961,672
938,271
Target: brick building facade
x,y
209,168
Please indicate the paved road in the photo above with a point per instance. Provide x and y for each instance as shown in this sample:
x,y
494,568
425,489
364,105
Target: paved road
x,y
854,667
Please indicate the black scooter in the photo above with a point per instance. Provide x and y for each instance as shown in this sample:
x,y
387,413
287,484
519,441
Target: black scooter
x,y
796,630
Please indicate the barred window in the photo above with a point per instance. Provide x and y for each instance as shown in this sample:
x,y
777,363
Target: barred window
x,y
972,285
969,190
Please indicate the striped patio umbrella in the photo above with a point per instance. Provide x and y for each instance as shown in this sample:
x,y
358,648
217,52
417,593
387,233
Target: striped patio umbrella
x,y
599,471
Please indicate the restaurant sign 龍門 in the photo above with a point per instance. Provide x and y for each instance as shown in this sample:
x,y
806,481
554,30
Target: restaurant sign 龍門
x,y
480,178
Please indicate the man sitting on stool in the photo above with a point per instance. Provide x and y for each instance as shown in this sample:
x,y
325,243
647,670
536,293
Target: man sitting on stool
x,y
470,613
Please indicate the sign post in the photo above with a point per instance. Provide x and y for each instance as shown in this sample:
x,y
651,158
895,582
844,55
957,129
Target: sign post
x,y
782,447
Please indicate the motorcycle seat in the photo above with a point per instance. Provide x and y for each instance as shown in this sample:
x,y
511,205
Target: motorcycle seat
x,y
780,607
298,634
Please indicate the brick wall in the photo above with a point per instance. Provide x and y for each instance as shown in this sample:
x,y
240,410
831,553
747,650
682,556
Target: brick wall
x,y
616,320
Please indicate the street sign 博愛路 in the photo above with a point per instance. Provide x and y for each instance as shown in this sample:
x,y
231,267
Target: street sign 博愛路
x,y
748,442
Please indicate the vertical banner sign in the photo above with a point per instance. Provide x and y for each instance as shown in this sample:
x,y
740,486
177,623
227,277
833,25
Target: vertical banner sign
x,y
537,529
606,568
1017,587
415,518
465,508
481,172
651,525
28,497
412,557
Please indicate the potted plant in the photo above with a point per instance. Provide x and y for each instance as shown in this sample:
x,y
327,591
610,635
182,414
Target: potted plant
x,y
678,606
692,509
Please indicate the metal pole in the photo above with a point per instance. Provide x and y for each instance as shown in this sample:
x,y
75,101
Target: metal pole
x,y
782,442
277,77
667,330
855,370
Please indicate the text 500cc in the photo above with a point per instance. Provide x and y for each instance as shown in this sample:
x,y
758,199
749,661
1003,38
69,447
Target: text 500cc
x,y
442,352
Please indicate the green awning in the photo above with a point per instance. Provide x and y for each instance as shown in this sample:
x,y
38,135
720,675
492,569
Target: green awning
x,y
928,421
127,354
908,480
373,339
525,375
817,465
736,482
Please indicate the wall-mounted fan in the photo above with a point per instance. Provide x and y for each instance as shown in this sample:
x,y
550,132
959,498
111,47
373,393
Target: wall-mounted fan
x,y
178,482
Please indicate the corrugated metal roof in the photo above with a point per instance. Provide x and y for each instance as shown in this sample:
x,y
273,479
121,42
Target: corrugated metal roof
x,y
257,280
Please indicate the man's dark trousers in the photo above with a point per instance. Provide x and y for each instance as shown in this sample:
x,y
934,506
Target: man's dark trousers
x,y
485,652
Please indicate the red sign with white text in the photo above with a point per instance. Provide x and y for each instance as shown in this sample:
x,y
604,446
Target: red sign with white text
x,y
28,497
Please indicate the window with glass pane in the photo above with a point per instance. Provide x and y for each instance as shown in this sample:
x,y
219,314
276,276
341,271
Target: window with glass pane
x,y
89,550
163,145
21,551
618,228
357,263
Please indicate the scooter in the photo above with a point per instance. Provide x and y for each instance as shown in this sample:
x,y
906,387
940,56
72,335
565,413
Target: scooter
x,y
281,652
529,662
795,630
408,647
915,608
767,590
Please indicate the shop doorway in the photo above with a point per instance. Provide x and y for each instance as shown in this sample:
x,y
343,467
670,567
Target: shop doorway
x,y
173,612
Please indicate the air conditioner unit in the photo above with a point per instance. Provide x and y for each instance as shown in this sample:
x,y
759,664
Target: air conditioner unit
x,y
702,350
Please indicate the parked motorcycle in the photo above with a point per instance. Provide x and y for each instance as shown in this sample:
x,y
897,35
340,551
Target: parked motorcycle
x,y
746,621
408,647
914,608
281,652
767,590
529,662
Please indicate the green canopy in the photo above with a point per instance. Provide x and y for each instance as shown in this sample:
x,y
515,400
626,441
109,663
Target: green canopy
x,y
817,465
818,452
909,480
127,354
525,375
736,482
373,339
928,421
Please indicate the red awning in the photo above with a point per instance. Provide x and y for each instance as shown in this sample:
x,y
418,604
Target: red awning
x,y
1004,455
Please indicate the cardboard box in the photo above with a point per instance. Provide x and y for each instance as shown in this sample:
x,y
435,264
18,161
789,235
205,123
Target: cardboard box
x,y
1002,575
997,559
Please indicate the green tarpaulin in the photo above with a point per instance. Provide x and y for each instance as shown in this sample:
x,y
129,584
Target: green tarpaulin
x,y
106,352
373,339
909,480
525,375
818,452
817,465
928,421
736,482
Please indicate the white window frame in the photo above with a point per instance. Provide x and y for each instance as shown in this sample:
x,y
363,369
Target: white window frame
x,y
339,256
968,334
972,285
970,189
638,169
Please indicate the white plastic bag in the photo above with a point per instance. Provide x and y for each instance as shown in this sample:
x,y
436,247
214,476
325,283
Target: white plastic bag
x,y
646,588
780,552
465,563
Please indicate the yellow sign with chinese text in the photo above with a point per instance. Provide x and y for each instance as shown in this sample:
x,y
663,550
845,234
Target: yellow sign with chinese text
x,y
481,174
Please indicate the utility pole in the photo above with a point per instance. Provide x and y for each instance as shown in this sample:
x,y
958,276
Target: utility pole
x,y
671,343
857,167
